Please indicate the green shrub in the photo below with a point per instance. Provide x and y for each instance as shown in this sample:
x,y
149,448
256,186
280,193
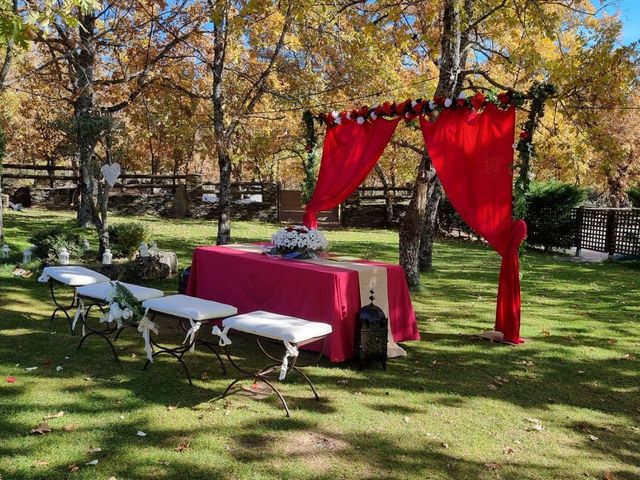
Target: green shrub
x,y
550,213
634,196
125,238
49,241
449,220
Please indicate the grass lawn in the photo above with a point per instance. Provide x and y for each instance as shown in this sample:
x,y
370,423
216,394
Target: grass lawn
x,y
564,405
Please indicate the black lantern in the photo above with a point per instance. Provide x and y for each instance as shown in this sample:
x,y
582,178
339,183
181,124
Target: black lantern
x,y
371,335
183,280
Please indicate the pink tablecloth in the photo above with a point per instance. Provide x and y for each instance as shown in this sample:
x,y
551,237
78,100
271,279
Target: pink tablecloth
x,y
250,281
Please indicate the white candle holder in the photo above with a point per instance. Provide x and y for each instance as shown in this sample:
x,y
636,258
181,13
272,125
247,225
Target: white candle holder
x,y
107,256
63,256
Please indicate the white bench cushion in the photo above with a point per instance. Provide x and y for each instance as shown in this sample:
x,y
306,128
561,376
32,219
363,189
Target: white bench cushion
x,y
184,306
73,275
102,291
277,327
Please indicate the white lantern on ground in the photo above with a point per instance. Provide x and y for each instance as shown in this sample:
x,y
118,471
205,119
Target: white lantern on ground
x,y
5,251
107,256
154,248
144,249
26,256
63,256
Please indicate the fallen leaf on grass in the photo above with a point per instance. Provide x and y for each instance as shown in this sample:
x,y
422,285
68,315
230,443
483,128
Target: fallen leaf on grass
x,y
182,446
40,429
58,368
41,463
612,341
171,408
92,462
507,450
444,445
406,419
593,438
491,386
11,379
72,427
609,476
31,369
94,449
493,466
53,415
344,381
546,333
140,433
73,467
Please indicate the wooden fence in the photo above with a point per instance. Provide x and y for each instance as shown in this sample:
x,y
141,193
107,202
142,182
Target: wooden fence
x,y
608,230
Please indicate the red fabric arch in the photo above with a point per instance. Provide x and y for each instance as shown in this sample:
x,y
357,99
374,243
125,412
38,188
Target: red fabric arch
x,y
350,152
473,156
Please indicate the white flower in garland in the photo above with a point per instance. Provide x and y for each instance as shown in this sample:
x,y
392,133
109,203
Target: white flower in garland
x,y
447,103
432,105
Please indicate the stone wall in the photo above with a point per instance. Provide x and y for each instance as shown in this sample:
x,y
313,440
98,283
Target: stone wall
x,y
184,200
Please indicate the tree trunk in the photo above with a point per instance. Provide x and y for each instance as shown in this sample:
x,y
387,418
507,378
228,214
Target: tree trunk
x,y
84,62
413,222
220,130
4,73
428,234
454,44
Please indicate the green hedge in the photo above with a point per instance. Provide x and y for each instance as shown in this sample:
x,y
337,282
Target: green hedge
x,y
551,214
634,196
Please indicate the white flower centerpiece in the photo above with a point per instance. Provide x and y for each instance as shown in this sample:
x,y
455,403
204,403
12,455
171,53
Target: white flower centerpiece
x,y
298,242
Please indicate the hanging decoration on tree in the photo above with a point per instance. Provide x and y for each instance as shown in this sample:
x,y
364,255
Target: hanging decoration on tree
x,y
111,173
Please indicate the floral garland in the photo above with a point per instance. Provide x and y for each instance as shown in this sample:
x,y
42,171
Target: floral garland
x,y
310,163
538,93
123,305
411,109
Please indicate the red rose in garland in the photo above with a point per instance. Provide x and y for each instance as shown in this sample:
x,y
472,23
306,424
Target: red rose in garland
x,y
504,98
400,108
524,135
461,102
439,100
417,108
388,108
364,111
478,100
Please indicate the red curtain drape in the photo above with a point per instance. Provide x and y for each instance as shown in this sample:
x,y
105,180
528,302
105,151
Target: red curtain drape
x,y
473,155
350,151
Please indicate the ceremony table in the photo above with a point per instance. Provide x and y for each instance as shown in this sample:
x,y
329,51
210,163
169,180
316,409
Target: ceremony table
x,y
316,292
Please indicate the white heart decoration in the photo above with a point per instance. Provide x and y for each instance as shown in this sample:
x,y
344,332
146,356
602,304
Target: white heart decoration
x,y
111,173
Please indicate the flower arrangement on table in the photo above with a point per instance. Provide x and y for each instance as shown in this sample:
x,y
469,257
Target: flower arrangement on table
x,y
298,242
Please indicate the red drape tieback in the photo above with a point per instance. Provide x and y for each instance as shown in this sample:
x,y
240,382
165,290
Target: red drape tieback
x,y
509,302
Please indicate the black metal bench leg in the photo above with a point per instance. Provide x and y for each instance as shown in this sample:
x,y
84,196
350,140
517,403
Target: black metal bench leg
x,y
176,356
